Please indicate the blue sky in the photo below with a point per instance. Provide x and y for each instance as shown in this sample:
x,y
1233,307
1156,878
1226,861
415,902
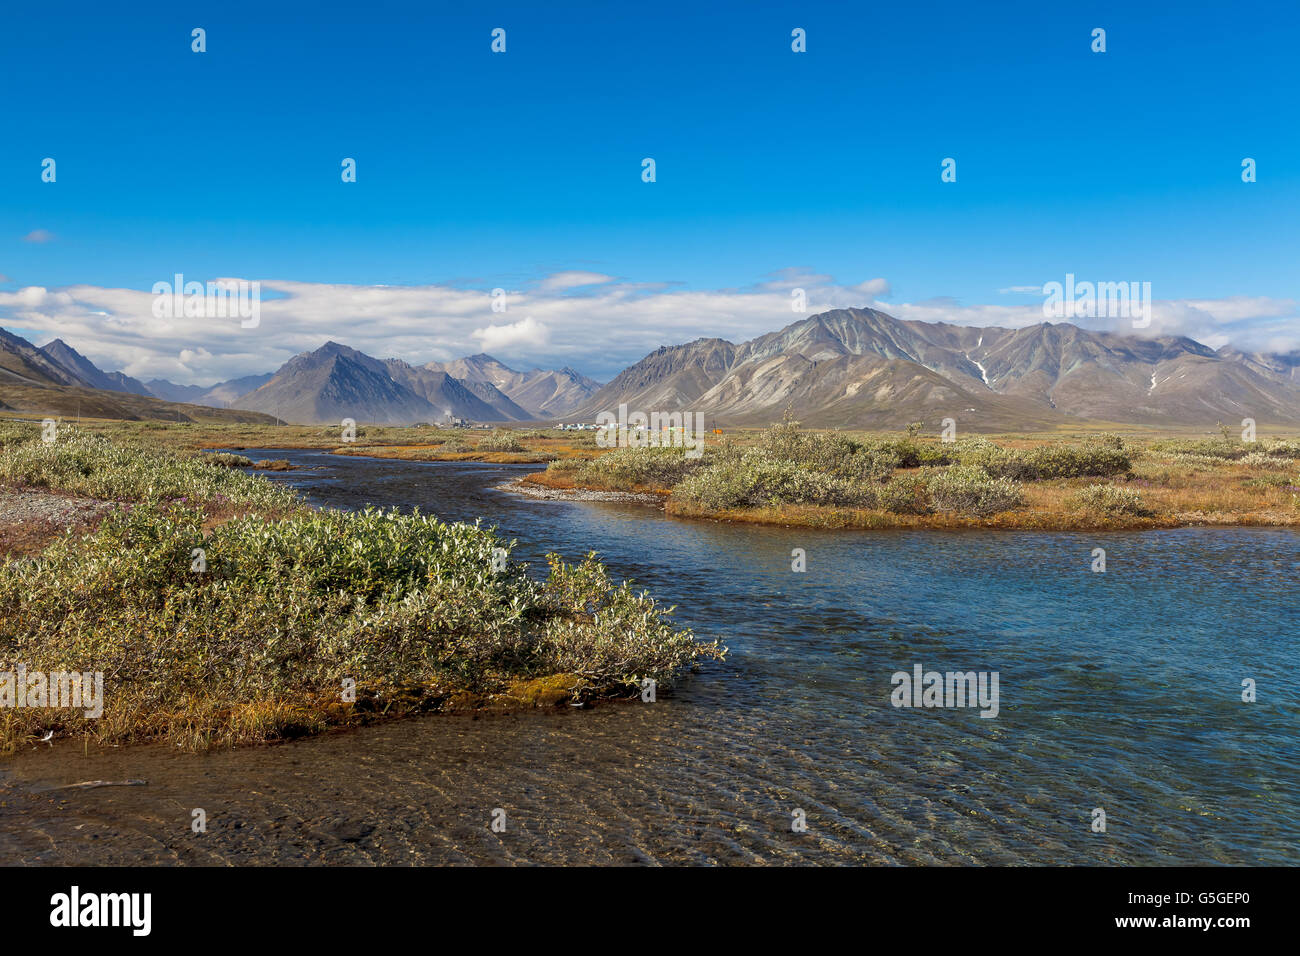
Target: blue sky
x,y
478,170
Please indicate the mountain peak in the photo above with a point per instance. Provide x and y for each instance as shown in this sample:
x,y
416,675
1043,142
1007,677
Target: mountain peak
x,y
333,348
863,368
86,372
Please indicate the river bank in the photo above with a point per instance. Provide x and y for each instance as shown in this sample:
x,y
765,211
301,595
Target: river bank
x,y
220,608
1119,689
1052,516
795,478
787,476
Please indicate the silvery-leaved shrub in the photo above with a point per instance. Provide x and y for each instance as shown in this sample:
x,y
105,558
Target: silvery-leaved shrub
x,y
1108,500
756,481
1283,448
1207,448
1100,457
500,439
230,460
627,468
286,610
1259,459
828,452
906,494
970,490
82,463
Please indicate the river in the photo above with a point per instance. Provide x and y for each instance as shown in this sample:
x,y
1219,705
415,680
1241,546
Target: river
x,y
1118,691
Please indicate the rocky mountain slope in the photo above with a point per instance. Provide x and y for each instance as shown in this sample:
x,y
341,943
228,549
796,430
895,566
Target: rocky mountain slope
x,y
538,393
862,368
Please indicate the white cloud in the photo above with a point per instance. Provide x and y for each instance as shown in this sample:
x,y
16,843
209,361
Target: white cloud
x,y
572,280
599,331
191,357
872,289
39,235
508,338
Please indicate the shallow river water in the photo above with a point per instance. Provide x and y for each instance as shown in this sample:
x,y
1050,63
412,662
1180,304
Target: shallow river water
x,y
1120,691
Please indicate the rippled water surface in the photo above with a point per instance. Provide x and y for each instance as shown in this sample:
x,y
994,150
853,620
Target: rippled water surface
x,y
1119,690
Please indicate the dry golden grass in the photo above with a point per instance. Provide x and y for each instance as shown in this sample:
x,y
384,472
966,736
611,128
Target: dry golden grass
x,y
200,723
564,482
406,443
1177,493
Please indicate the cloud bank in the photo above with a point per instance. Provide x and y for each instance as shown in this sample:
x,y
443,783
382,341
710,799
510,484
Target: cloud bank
x,y
590,321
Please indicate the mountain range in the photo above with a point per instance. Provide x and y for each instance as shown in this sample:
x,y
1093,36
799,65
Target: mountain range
x,y
862,368
847,368
325,385
335,382
221,395
57,381
543,393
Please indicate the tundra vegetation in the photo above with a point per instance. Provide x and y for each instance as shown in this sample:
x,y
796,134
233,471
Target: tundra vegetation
x,y
223,610
789,475
500,439
412,442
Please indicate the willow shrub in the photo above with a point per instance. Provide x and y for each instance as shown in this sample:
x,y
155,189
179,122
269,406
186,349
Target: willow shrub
x,y
907,494
1108,501
969,490
14,432
500,439
230,460
1228,448
1102,457
1282,448
625,469
286,610
1259,459
82,463
456,444
829,452
755,481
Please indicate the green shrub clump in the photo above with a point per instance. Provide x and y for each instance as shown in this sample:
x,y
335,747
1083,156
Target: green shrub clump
x,y
1283,448
756,481
1259,459
500,440
230,460
82,463
625,469
1096,458
285,611
905,495
828,453
1109,501
970,490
